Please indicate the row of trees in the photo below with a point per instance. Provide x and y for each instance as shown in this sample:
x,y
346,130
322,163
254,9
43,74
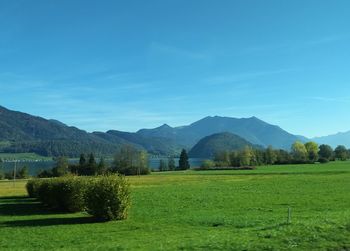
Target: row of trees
x,y
300,153
128,161
87,166
170,164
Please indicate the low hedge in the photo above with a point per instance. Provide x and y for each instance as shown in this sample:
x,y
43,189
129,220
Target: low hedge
x,y
108,198
105,197
32,187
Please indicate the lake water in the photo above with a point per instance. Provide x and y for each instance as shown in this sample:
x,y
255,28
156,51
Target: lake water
x,y
37,166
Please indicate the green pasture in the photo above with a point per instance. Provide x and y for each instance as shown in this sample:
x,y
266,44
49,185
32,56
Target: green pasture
x,y
198,210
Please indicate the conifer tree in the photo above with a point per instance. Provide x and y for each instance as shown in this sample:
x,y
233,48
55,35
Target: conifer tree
x,y
183,161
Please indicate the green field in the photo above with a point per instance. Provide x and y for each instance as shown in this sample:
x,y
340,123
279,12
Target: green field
x,y
198,210
23,156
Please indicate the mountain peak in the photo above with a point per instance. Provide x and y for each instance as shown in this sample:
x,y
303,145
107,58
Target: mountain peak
x,y
164,126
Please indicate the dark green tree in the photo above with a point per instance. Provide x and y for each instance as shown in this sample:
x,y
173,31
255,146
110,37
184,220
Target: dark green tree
x,y
171,164
101,167
23,173
235,159
92,165
325,152
283,157
341,153
183,161
82,160
61,167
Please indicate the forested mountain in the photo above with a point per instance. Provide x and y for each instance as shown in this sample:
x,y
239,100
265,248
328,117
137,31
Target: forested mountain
x,y
219,142
21,132
342,138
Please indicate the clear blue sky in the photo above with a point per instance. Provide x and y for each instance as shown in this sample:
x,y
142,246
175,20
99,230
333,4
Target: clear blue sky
x,y
126,65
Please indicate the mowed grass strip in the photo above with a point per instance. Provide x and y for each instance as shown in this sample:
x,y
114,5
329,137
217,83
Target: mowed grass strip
x,y
198,210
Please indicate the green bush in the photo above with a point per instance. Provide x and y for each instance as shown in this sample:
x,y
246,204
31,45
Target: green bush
x,y
69,193
105,197
32,187
45,193
65,193
207,164
323,160
108,197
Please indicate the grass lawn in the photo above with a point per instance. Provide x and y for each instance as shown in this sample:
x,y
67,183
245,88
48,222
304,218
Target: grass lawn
x,y
198,210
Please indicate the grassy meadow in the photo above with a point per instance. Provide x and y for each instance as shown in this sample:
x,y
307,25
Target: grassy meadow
x,y
198,210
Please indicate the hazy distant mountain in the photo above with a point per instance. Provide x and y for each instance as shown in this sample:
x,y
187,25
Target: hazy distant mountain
x,y
252,129
208,146
342,138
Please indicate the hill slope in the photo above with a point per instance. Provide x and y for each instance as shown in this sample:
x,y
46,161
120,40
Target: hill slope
x,y
219,142
27,133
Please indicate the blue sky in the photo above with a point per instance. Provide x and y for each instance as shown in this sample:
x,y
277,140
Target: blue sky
x,y
134,64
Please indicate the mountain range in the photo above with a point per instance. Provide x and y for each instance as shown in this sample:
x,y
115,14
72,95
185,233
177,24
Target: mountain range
x,y
21,132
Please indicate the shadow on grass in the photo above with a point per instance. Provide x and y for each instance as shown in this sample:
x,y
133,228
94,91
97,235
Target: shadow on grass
x,y
25,206
50,222
22,206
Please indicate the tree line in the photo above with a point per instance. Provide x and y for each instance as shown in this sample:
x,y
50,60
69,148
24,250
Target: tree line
x,y
128,161
300,153
20,173
169,165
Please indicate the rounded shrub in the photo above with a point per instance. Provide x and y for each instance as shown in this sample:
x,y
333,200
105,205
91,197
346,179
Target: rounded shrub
x,y
108,197
64,193
323,160
32,187
45,192
207,164
69,193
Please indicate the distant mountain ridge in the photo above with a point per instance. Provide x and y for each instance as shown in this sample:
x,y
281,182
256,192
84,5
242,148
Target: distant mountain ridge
x,y
252,129
341,138
219,142
21,132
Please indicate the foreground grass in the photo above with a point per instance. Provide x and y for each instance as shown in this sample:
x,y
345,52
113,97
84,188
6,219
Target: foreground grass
x,y
206,210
